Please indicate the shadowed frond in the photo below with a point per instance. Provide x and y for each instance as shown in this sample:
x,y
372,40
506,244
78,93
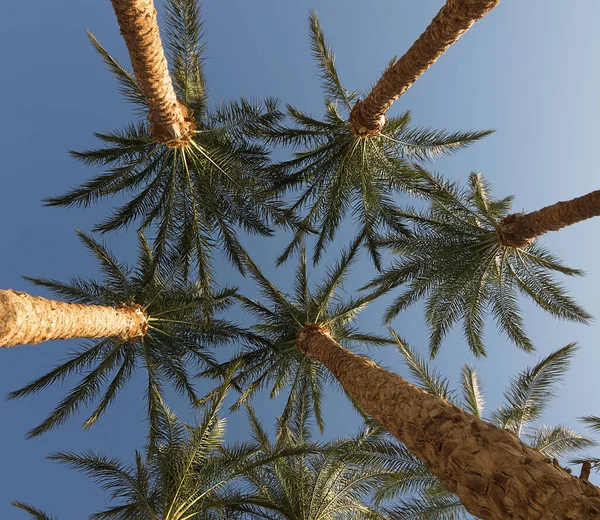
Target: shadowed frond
x,y
36,514
274,362
454,261
341,175
183,327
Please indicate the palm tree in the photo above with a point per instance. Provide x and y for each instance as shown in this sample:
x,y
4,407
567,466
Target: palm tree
x,y
341,173
456,260
525,401
182,474
277,362
492,472
455,18
195,193
179,326
326,482
170,122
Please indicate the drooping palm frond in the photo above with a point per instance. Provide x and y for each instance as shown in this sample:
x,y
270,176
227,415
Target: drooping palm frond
x,y
557,441
592,422
341,174
276,362
192,197
472,395
453,261
530,392
183,326
35,513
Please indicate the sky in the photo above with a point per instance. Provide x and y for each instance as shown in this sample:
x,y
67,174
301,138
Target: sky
x,y
526,70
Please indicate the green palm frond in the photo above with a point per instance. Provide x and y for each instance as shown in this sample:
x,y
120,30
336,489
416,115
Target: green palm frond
x,y
340,174
473,401
557,441
192,198
333,481
273,361
36,514
530,392
443,506
182,475
453,261
183,327
592,422
430,380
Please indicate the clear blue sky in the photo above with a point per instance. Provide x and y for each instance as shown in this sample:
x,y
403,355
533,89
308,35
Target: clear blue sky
x,y
529,70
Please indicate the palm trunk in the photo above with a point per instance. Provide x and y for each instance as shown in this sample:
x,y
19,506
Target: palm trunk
x,y
520,229
169,119
455,18
493,473
26,319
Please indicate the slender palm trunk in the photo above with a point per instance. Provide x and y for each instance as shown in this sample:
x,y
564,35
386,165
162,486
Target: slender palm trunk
x,y
521,229
493,473
170,122
455,18
26,319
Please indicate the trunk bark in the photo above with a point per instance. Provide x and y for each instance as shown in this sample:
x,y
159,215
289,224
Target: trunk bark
x,y
493,473
455,18
521,229
170,122
26,319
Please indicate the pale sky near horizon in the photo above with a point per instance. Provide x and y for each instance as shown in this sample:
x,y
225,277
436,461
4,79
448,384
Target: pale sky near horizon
x,y
528,70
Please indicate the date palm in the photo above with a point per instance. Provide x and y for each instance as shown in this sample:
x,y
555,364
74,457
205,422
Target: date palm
x,y
526,399
326,482
454,18
277,362
456,261
181,326
340,173
181,475
193,195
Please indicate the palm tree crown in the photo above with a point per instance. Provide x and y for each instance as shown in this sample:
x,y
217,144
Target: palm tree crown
x,y
194,195
341,173
277,362
182,325
455,261
181,475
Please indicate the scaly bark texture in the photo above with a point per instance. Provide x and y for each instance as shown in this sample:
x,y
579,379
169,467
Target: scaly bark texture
x,y
26,319
493,473
456,17
520,229
170,122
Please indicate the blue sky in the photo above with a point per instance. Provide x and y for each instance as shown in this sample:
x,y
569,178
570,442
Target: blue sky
x,y
527,70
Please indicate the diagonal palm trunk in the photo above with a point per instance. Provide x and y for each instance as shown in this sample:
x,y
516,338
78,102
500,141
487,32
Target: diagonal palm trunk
x,y
170,122
521,229
493,473
26,319
455,18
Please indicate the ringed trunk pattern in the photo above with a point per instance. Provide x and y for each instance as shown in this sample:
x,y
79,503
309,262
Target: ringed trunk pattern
x,y
521,229
493,473
170,121
456,17
26,319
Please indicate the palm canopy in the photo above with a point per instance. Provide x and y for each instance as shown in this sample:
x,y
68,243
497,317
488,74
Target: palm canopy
x,y
454,260
196,195
526,399
333,481
182,327
183,473
341,173
277,362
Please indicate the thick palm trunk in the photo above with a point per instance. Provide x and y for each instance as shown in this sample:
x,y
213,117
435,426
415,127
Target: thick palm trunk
x,y
455,18
493,473
26,319
169,119
520,229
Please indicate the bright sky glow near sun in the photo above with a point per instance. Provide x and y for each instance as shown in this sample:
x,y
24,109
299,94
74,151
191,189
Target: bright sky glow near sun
x,y
528,70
